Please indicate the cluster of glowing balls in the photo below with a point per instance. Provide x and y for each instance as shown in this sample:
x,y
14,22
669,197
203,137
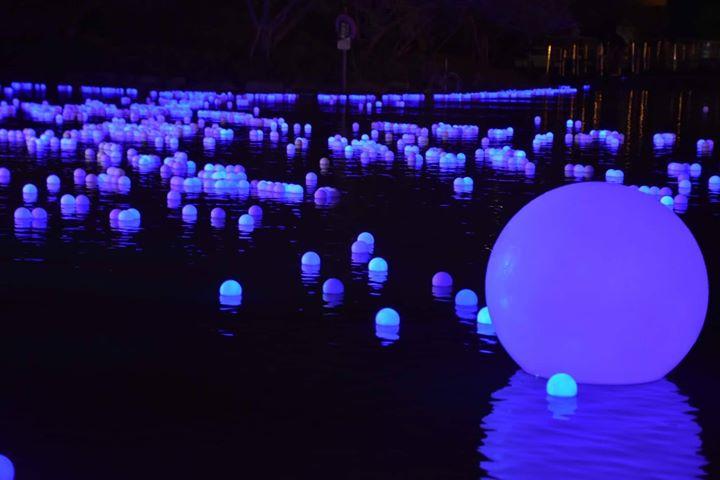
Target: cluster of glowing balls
x,y
612,244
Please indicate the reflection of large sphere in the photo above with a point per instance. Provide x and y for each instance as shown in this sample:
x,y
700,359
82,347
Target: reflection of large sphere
x,y
640,431
598,281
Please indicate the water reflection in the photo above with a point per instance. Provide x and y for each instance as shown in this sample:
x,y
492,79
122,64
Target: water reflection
x,y
388,334
639,431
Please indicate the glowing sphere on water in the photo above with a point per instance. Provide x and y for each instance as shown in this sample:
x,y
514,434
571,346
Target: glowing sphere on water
x,y
230,288
246,220
217,213
310,258
585,291
333,286
22,214
366,237
378,264
442,279
466,298
29,189
255,211
387,317
189,211
359,246
39,214
7,469
67,199
483,316
561,385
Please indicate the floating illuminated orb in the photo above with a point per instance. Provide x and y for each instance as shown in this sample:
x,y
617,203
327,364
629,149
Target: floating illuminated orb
x,y
387,317
561,385
577,283
7,469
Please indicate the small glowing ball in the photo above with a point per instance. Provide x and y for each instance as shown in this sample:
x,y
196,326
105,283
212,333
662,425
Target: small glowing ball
x,y
333,286
53,181
366,237
561,385
67,199
4,175
230,288
29,189
585,292
466,298
667,200
378,264
246,220
387,317
483,316
7,470
189,211
22,214
310,258
359,247
442,279
39,214
217,213
84,201
255,211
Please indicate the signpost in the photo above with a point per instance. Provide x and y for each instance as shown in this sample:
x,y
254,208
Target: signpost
x,y
346,30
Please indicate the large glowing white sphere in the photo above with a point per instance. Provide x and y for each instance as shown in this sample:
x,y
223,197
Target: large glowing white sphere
x,y
598,281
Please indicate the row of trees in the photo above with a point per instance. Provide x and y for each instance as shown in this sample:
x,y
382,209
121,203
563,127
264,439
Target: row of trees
x,y
412,42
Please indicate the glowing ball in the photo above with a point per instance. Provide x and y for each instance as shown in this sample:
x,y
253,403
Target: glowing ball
x,y
585,292
53,182
378,264
359,247
310,258
442,279
4,175
466,298
333,286
667,200
217,213
561,385
366,237
67,199
255,211
246,220
230,288
7,470
483,316
189,211
29,189
22,214
714,183
387,317
39,214
84,201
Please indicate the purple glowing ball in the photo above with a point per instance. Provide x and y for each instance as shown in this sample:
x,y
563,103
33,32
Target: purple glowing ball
x,y
577,283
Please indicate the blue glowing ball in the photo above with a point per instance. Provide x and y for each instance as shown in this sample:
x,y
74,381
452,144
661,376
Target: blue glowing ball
x,y
310,258
246,220
189,211
561,385
483,316
39,214
22,214
7,469
333,286
378,264
366,237
29,189
466,298
255,211
359,247
217,213
387,317
442,279
577,283
230,288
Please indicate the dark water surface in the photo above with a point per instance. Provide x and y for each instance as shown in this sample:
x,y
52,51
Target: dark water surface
x,y
117,361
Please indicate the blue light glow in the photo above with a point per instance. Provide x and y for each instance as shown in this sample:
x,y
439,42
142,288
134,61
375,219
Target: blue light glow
x,y
387,317
612,239
561,385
